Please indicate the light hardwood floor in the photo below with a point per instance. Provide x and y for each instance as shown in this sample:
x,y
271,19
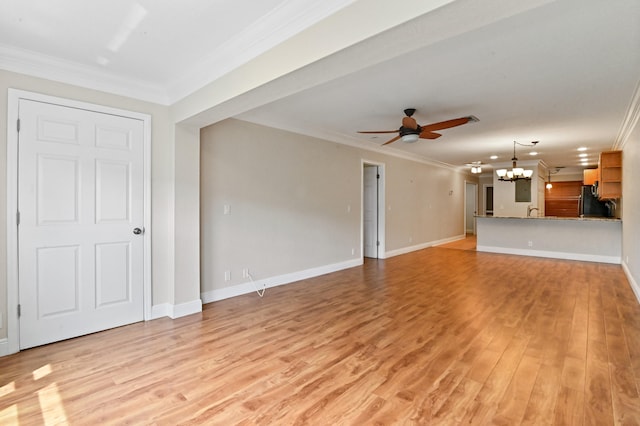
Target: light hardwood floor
x,y
437,336
467,243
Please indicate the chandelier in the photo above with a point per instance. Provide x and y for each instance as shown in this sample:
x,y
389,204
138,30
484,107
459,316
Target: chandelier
x,y
516,173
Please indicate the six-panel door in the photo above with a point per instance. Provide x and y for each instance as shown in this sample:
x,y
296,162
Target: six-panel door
x,y
80,198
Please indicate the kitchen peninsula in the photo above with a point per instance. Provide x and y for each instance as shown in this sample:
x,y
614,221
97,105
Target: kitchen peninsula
x,y
587,239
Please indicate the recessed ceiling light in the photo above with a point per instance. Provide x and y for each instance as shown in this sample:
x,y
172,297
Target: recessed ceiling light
x,y
494,157
582,155
582,148
533,153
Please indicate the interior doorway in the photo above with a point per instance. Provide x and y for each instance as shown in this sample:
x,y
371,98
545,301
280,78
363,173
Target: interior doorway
x,y
372,210
470,207
488,200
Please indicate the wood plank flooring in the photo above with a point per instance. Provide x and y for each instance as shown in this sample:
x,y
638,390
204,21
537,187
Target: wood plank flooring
x,y
467,243
437,336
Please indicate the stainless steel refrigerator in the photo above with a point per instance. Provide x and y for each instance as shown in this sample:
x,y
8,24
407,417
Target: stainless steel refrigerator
x,y
590,206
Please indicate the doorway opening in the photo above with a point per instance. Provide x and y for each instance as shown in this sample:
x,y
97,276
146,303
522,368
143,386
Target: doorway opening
x,y
470,207
373,210
488,200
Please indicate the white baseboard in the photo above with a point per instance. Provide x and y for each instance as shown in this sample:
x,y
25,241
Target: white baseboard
x,y
552,254
409,249
449,240
176,311
4,347
249,287
161,310
634,285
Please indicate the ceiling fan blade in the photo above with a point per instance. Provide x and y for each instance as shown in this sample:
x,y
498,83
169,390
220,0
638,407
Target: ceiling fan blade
x,y
447,124
429,135
392,140
377,131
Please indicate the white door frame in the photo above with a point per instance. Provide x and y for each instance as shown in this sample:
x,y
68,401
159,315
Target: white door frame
x,y
475,206
14,97
381,208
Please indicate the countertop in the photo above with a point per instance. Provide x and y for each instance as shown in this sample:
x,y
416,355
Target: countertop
x,y
595,219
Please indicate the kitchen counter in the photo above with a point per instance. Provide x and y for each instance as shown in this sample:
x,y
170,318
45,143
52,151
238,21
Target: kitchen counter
x,y
586,218
593,239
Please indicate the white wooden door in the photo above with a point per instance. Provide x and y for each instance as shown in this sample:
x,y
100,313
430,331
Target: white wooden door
x,y
80,197
471,207
370,211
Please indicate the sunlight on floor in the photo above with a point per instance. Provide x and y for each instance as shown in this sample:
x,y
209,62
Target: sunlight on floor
x,y
7,389
51,405
9,415
41,372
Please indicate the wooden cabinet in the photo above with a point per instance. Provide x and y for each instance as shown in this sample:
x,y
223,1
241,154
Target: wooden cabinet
x,y
591,176
563,199
610,186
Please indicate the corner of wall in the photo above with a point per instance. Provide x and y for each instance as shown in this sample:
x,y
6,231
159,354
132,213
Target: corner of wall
x,y
176,311
632,282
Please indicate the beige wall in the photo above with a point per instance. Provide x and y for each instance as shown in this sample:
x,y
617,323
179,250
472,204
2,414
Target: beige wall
x,y
631,208
504,193
295,202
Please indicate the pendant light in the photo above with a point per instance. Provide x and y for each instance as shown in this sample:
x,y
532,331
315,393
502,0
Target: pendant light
x,y
516,173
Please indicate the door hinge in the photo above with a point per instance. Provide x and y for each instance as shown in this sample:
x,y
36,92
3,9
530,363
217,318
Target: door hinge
x,y
18,218
378,176
19,310
377,243
18,125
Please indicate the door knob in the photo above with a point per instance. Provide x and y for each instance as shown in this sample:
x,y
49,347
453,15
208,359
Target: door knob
x,y
137,231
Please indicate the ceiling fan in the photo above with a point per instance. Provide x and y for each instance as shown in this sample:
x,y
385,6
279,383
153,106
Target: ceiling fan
x,y
410,131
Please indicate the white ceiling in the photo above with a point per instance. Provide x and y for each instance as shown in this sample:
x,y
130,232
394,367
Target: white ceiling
x,y
564,72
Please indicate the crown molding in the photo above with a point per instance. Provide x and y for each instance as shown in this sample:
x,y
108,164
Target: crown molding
x,y
63,71
630,120
288,19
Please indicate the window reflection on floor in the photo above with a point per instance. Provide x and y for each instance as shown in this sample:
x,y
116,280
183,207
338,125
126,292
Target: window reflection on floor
x,y
52,409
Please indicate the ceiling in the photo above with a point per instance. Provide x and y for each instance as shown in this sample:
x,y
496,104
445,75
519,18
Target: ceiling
x,y
564,72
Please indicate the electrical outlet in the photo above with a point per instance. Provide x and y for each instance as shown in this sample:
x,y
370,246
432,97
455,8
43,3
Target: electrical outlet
x,y
353,251
410,239
227,209
227,275
245,273
530,243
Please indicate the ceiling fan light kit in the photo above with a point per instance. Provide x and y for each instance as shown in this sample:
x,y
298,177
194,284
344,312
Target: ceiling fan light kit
x,y
410,137
411,131
516,173
476,167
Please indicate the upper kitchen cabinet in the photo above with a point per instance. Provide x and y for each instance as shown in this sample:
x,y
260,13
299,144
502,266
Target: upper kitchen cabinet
x,y
610,166
591,176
